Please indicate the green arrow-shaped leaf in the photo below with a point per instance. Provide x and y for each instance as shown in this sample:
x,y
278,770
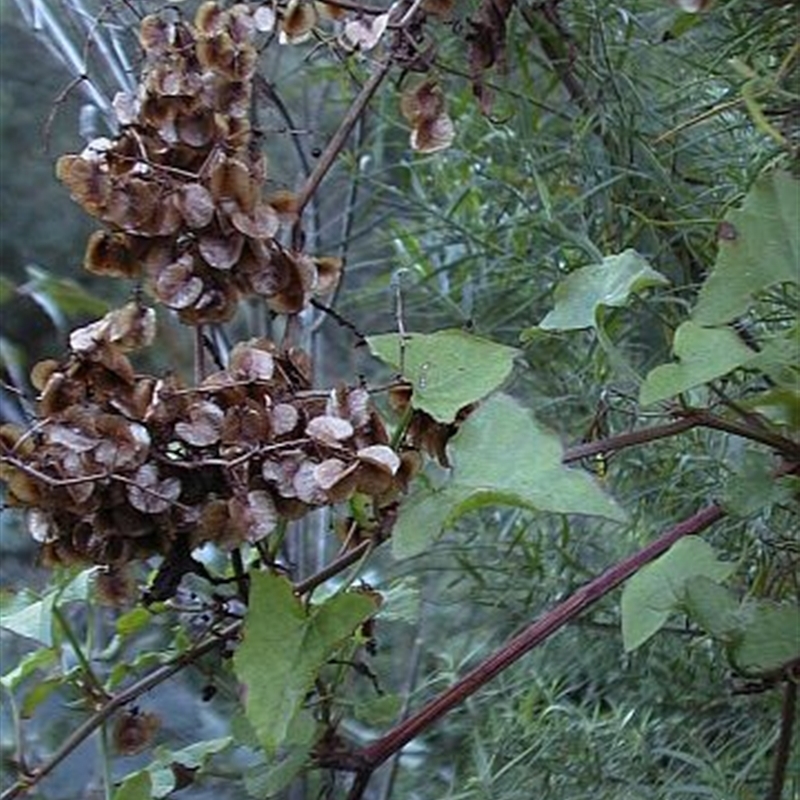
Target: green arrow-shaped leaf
x,y
759,247
503,450
703,354
194,757
770,637
658,589
760,636
610,283
285,645
448,369
33,617
713,607
752,485
779,358
501,455
135,787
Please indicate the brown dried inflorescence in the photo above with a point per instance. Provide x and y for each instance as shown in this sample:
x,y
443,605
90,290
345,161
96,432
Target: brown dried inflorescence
x,y
119,466
180,187
424,106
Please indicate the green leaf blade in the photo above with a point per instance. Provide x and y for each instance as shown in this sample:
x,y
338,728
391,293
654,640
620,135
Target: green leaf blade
x,y
448,369
658,589
284,647
610,283
135,787
761,248
770,638
502,449
500,456
712,607
32,621
703,354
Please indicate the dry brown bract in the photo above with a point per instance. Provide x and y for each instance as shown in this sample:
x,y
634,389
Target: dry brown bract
x,y
120,466
180,187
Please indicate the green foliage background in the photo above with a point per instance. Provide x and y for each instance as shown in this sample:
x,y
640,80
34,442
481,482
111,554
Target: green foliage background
x,y
587,154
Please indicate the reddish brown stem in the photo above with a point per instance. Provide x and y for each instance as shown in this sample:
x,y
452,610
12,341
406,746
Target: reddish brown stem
x,y
340,137
786,447
370,757
614,443
163,673
693,418
788,714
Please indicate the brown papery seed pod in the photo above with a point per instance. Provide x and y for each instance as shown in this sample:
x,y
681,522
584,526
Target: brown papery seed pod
x,y
111,254
87,182
424,101
134,731
210,19
298,20
156,35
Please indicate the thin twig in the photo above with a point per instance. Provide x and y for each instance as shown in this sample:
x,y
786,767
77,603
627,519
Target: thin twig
x,y
120,700
340,137
361,340
412,674
691,418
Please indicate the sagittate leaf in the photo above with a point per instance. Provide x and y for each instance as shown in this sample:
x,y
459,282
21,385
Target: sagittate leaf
x,y
448,369
779,358
422,517
33,620
713,607
500,455
32,617
269,778
752,486
703,355
285,645
612,282
134,787
194,758
769,638
759,247
659,588
760,636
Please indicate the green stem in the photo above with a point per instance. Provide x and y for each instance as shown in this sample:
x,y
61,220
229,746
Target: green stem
x,y
94,685
402,427
105,758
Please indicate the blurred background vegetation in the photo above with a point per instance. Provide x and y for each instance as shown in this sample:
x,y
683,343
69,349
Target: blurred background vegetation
x,y
615,125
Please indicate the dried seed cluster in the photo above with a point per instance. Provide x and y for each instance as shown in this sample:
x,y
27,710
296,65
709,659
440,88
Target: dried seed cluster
x,y
120,465
425,107
180,188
